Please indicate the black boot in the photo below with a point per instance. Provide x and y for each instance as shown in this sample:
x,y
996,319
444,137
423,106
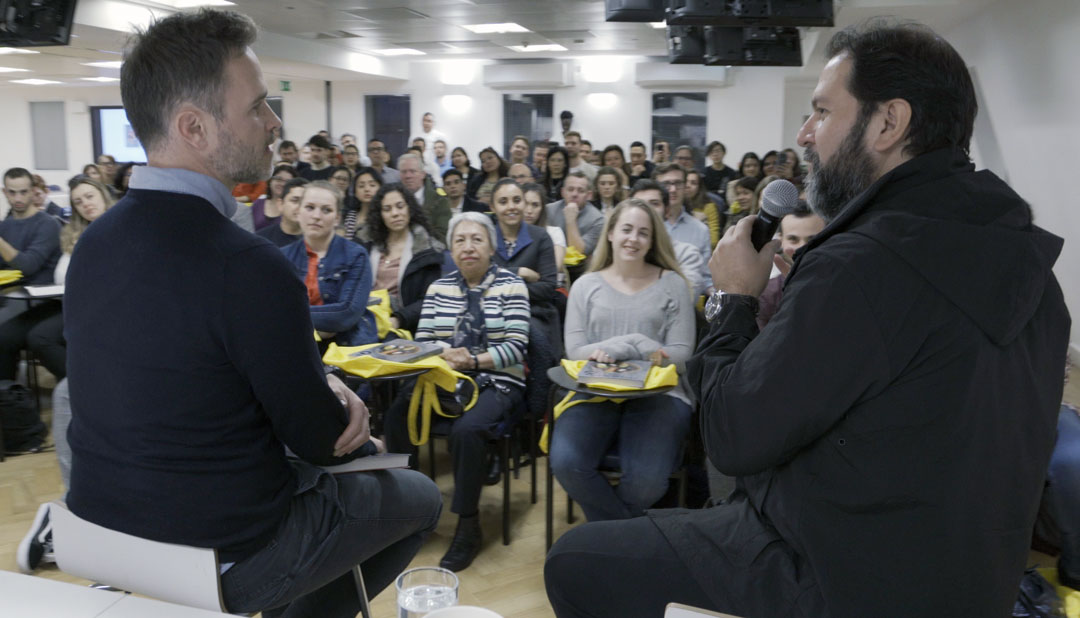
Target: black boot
x,y
465,546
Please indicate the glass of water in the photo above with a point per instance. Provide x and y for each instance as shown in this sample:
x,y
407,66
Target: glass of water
x,y
425,589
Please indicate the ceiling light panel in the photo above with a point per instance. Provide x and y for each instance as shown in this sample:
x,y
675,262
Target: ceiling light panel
x,y
15,50
110,64
528,49
34,82
400,51
496,28
13,70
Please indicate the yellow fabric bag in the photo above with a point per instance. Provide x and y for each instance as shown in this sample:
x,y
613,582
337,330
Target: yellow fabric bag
x,y
382,313
573,257
9,276
425,399
658,377
1069,598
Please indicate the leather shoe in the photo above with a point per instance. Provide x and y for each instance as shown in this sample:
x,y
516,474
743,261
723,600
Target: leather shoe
x,y
465,546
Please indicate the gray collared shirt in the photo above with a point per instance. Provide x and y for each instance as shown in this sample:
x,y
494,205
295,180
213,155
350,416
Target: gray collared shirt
x,y
176,180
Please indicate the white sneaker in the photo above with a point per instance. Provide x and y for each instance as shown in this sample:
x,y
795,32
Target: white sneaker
x,y
36,547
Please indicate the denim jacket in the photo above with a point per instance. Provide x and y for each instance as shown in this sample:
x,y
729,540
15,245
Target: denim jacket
x,y
344,283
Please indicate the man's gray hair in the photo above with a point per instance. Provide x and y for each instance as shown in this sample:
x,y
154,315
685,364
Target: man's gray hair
x,y
474,217
180,59
410,155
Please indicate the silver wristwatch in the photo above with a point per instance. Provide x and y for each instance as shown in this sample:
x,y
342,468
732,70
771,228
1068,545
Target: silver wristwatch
x,y
720,299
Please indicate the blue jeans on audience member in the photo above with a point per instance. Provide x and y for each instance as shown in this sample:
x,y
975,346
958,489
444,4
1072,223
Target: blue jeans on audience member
x,y
376,519
648,434
1064,493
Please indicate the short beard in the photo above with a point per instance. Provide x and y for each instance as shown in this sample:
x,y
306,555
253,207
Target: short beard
x,y
849,172
234,163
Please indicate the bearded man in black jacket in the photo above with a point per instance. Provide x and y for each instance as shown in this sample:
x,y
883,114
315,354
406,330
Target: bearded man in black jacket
x,y
891,428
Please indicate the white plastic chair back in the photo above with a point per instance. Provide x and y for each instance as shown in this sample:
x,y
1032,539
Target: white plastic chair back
x,y
174,573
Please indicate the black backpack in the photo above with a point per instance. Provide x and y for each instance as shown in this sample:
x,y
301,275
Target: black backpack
x,y
22,427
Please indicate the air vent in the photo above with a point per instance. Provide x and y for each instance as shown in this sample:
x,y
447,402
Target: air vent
x,y
384,15
337,34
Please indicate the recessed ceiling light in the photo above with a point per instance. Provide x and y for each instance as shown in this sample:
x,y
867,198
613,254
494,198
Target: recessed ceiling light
x,y
538,48
496,28
658,24
100,79
400,51
12,70
15,50
110,64
34,82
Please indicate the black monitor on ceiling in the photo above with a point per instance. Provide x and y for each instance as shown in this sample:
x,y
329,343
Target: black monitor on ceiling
x,y
686,45
35,23
780,13
773,47
640,11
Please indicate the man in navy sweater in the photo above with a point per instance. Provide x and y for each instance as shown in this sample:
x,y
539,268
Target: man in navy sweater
x,y
191,358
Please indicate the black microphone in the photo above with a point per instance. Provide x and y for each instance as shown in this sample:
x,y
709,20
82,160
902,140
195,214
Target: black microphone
x,y
778,200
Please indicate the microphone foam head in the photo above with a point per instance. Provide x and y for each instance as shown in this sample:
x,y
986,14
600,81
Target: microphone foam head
x,y
779,198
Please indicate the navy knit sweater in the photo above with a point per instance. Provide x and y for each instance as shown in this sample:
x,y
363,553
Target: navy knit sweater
x,y
191,363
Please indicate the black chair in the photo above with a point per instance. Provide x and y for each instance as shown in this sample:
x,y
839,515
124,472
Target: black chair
x,y
610,466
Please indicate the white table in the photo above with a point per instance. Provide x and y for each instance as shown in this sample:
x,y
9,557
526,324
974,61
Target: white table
x,y
26,595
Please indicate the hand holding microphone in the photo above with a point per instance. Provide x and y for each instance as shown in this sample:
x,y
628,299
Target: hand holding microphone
x,y
742,260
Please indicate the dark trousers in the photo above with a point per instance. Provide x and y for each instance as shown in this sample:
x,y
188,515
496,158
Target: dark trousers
x,y
469,437
41,329
378,520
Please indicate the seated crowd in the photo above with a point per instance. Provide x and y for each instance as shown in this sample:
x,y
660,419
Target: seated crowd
x,y
598,256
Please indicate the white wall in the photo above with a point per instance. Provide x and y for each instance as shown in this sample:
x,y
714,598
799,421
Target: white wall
x,y
1028,78
304,107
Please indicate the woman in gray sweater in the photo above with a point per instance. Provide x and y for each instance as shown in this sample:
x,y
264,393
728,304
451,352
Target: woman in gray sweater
x,y
633,302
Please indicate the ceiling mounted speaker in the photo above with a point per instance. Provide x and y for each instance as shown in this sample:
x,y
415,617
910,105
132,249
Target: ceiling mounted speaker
x,y
34,23
641,11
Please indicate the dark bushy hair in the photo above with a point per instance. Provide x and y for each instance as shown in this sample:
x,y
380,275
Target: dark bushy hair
x,y
893,59
180,59
377,229
648,184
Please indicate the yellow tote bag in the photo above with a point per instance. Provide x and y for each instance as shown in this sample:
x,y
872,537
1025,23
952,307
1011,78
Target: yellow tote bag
x,y
573,257
1069,598
658,377
424,400
9,276
379,306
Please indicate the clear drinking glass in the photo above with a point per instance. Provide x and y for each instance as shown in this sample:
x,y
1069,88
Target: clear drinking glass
x,y
425,589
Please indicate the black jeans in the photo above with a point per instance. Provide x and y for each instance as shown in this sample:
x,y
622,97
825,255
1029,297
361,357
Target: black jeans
x,y
469,437
41,329
378,520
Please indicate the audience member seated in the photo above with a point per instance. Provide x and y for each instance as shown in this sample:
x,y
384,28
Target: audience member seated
x,y
351,159
684,157
768,163
527,251
358,205
380,156
632,303
796,229
681,225
441,160
287,153
743,201
492,168
460,160
613,156
341,177
431,169
43,203
521,173
107,164
575,161
459,200
699,204
266,210
1063,494
717,174
555,171
405,257
607,190
287,229
432,201
123,177
93,172
29,238
480,314
539,157
535,213
579,220
319,167
519,154
41,327
691,264
335,271
640,165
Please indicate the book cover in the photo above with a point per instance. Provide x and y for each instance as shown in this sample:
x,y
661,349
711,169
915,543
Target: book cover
x,y
400,351
380,461
629,373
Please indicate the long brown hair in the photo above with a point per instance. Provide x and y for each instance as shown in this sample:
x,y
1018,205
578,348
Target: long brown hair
x,y
70,233
660,253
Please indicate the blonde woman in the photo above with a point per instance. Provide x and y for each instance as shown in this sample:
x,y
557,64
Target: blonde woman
x,y
633,303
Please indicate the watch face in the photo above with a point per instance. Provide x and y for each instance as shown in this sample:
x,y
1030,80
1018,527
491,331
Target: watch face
x,y
712,306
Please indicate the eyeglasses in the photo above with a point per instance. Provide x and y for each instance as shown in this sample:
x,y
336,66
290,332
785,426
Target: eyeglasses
x,y
376,149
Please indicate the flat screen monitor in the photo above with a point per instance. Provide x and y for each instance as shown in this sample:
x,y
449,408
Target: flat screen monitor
x,y
113,135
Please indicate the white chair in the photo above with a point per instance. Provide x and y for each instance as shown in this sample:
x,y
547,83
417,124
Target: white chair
x,y
175,573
